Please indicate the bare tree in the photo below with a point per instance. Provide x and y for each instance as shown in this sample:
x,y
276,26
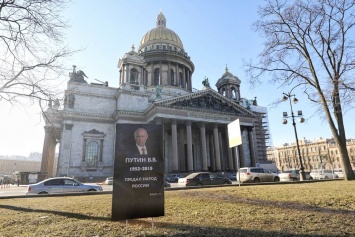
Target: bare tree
x,y
31,49
310,43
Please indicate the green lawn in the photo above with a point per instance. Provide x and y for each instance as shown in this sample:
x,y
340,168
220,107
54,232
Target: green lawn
x,y
299,209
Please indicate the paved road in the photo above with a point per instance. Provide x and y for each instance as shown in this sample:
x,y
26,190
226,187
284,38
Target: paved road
x,y
15,190
175,185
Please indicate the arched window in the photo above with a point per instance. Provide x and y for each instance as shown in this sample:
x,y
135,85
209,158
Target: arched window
x,y
156,76
234,93
134,76
180,79
224,92
92,154
172,78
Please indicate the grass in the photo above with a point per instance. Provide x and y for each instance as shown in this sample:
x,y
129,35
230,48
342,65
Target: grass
x,y
299,209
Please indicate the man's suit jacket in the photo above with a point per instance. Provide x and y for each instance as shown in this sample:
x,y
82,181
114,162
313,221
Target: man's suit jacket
x,y
132,151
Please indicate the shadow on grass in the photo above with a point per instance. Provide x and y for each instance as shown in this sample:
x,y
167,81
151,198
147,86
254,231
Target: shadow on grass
x,y
60,213
195,231
279,204
298,206
183,229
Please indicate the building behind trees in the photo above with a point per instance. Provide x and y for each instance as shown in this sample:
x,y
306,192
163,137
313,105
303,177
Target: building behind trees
x,y
321,153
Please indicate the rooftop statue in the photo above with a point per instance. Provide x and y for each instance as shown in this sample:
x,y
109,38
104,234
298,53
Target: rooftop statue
x,y
50,103
205,82
56,104
158,91
77,76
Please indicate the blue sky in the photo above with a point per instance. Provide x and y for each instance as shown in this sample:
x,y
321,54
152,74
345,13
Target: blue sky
x,y
214,33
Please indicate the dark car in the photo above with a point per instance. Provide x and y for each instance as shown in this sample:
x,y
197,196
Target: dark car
x,y
174,177
61,185
167,184
203,178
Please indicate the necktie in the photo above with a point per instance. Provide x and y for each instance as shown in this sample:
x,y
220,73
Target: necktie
x,y
143,151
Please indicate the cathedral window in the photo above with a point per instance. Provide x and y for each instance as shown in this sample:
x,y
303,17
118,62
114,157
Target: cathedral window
x,y
223,92
180,79
234,93
172,77
92,154
93,144
134,76
156,76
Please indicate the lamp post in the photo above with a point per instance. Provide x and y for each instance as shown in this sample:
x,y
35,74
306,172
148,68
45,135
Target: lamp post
x,y
288,96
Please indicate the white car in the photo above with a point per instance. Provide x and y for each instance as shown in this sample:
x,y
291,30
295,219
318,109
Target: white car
x,y
61,185
323,174
340,173
109,181
293,175
256,175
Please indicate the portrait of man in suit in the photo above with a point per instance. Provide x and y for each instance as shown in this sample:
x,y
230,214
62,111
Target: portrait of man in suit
x,y
141,137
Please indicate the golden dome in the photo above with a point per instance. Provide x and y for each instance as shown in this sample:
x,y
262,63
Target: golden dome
x,y
161,35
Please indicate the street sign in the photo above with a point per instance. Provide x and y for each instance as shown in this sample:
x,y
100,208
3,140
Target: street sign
x,y
234,134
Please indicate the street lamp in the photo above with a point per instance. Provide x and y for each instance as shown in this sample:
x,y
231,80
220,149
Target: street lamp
x,y
288,96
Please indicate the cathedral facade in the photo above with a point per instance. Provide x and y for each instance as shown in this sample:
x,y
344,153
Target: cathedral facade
x,y
155,87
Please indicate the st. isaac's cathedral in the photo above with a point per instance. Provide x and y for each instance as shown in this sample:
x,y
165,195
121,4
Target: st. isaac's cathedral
x,y
155,87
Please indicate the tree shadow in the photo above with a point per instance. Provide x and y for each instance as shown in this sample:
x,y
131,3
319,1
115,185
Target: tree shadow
x,y
196,231
59,213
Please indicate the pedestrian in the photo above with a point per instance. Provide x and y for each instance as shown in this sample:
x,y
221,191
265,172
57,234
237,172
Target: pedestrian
x,y
18,182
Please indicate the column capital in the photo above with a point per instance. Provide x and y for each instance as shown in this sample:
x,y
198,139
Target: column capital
x,y
201,124
157,120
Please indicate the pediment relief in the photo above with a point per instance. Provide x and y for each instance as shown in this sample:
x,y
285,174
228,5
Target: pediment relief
x,y
208,100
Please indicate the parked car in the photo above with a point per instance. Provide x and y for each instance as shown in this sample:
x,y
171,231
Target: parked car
x,y
174,177
203,178
61,185
109,181
323,174
293,175
167,184
256,175
233,176
290,175
340,173
308,175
